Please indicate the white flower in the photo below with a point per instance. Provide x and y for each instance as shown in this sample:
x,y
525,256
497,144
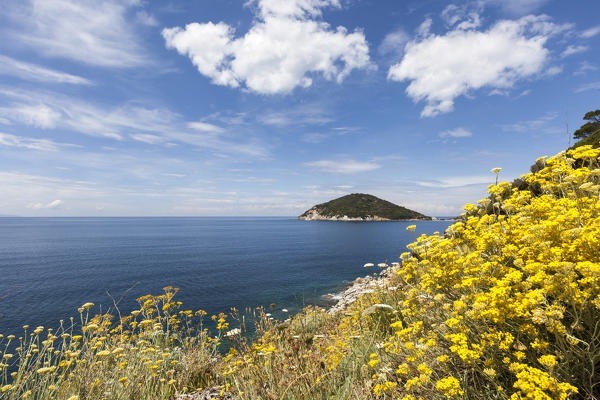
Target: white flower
x,y
386,307
496,170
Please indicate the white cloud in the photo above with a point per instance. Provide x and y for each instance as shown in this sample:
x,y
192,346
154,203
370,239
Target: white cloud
x,y
393,43
205,127
461,17
517,7
293,8
147,138
9,140
452,14
343,166
425,28
584,67
146,19
442,68
315,137
280,52
32,72
87,31
553,70
458,181
544,124
51,205
141,123
572,49
37,115
308,114
591,32
524,93
498,92
456,133
588,86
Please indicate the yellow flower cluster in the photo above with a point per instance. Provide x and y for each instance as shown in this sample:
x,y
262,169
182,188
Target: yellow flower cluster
x,y
509,294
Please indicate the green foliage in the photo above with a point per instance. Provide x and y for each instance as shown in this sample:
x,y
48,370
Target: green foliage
x,y
589,128
360,205
591,140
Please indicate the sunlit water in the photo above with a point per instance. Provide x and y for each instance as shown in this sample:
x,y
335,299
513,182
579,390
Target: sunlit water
x,y
50,266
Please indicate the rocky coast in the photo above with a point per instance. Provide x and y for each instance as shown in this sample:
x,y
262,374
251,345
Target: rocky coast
x,y
360,286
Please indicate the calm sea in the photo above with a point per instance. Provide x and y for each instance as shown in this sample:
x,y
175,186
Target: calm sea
x,y
50,266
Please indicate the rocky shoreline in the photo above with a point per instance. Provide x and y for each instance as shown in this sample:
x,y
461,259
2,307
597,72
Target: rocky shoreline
x,y
360,286
314,215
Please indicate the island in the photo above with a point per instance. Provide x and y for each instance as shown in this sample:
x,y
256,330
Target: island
x,y
360,207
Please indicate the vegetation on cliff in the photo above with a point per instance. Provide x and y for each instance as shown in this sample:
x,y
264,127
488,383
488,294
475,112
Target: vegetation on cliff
x,y
360,205
591,140
504,305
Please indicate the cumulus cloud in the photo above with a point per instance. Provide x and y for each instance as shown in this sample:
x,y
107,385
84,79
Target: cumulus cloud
x,y
87,31
441,68
281,51
343,166
32,72
456,133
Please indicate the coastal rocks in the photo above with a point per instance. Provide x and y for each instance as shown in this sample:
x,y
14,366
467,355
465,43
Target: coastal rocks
x,y
360,286
314,215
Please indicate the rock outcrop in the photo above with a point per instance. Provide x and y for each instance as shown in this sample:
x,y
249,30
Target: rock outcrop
x,y
360,286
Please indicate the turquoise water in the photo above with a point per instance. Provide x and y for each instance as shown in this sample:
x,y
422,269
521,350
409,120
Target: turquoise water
x,y
50,266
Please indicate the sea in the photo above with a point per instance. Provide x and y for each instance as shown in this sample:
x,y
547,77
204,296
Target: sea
x,y
51,266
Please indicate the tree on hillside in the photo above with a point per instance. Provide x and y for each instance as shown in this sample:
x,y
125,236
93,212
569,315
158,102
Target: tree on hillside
x,y
590,127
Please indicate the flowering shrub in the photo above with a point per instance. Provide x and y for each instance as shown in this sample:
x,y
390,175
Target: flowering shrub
x,y
153,352
505,305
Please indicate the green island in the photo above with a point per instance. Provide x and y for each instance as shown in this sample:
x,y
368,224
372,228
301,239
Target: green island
x,y
360,207
504,305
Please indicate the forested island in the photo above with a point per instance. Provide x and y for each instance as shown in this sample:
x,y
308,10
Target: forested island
x,y
360,207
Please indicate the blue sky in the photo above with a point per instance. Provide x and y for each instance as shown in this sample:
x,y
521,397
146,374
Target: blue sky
x,y
266,107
